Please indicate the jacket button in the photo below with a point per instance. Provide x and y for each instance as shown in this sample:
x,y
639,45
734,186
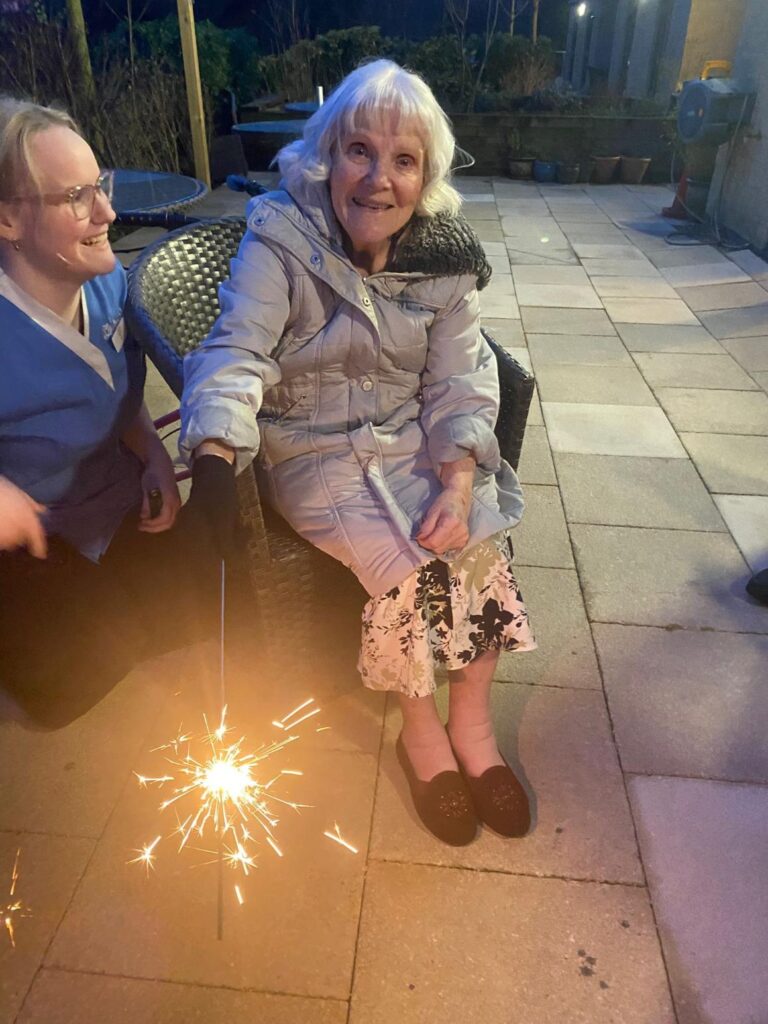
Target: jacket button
x,y
314,259
367,385
366,301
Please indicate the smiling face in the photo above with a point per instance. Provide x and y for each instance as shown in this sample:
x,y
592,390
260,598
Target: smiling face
x,y
54,243
376,181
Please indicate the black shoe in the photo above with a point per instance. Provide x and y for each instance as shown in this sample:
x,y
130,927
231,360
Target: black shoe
x,y
443,804
500,801
758,586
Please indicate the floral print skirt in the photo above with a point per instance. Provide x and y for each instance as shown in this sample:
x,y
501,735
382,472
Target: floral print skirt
x,y
444,613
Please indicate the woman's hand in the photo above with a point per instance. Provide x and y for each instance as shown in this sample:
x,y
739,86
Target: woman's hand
x,y
20,525
159,476
445,525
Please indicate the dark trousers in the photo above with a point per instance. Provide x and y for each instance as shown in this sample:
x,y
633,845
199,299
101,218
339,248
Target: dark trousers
x,y
70,630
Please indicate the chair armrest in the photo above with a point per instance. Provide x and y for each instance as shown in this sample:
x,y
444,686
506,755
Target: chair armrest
x,y
516,385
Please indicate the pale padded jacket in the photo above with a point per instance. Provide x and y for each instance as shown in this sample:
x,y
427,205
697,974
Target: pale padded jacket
x,y
353,390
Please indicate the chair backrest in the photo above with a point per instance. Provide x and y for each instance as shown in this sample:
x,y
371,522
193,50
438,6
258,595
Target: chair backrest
x,y
173,301
173,291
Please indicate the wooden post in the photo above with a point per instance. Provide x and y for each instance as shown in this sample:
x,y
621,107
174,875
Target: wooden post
x,y
80,38
194,90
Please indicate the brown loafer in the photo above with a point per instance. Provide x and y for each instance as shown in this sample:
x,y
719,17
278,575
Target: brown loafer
x,y
444,803
500,801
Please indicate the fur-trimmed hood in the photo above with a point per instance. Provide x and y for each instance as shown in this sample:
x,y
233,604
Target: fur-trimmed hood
x,y
439,246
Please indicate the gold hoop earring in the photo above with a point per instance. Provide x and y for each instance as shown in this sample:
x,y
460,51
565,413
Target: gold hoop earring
x,y
16,243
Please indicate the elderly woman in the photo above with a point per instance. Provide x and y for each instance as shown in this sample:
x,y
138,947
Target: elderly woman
x,y
349,327
82,552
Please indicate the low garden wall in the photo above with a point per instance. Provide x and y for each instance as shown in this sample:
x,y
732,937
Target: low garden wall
x,y
571,138
493,138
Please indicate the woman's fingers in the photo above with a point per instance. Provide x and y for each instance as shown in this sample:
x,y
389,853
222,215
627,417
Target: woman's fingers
x,y
450,532
37,543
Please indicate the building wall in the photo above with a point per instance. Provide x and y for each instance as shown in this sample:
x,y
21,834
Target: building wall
x,y
672,49
744,205
714,27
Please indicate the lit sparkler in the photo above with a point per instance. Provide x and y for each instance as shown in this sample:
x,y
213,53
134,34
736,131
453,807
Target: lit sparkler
x,y
14,908
221,789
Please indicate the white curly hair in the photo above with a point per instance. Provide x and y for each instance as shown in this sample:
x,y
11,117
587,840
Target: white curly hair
x,y
372,94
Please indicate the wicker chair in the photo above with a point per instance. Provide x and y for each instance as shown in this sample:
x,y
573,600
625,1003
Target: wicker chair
x,y
172,305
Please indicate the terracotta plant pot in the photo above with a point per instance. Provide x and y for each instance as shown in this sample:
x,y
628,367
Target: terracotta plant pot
x,y
568,174
633,169
520,167
604,169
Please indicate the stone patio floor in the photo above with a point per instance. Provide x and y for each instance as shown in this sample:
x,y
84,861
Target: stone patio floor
x,y
640,724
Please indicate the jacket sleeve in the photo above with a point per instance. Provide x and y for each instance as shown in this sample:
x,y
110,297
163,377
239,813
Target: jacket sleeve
x,y
460,385
225,378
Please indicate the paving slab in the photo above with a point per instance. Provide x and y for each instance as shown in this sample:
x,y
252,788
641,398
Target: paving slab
x,y
494,248
579,349
499,264
481,213
649,311
549,275
522,356
716,412
607,251
746,516
706,849
611,430
761,379
689,256
574,961
489,232
508,333
620,267
61,997
72,777
669,578
565,656
579,213
686,277
749,262
49,869
126,922
535,416
498,299
672,338
558,741
686,702
542,536
750,322
730,463
572,295
536,458
541,253
580,234
722,296
633,287
751,353
612,490
685,370
539,320
595,385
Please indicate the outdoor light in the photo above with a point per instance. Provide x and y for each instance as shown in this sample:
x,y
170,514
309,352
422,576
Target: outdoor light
x,y
581,10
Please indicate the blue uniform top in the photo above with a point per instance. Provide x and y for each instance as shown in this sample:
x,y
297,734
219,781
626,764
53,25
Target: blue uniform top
x,y
65,400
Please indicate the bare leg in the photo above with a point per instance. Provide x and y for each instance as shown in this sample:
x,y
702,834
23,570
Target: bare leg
x,y
424,737
469,716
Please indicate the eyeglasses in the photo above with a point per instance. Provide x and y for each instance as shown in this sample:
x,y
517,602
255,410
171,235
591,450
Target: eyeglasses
x,y
82,198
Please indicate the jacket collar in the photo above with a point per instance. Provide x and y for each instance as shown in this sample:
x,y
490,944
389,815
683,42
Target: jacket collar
x,y
440,246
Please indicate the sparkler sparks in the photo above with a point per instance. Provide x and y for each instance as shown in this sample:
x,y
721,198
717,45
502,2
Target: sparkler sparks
x,y
220,788
14,908
337,837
